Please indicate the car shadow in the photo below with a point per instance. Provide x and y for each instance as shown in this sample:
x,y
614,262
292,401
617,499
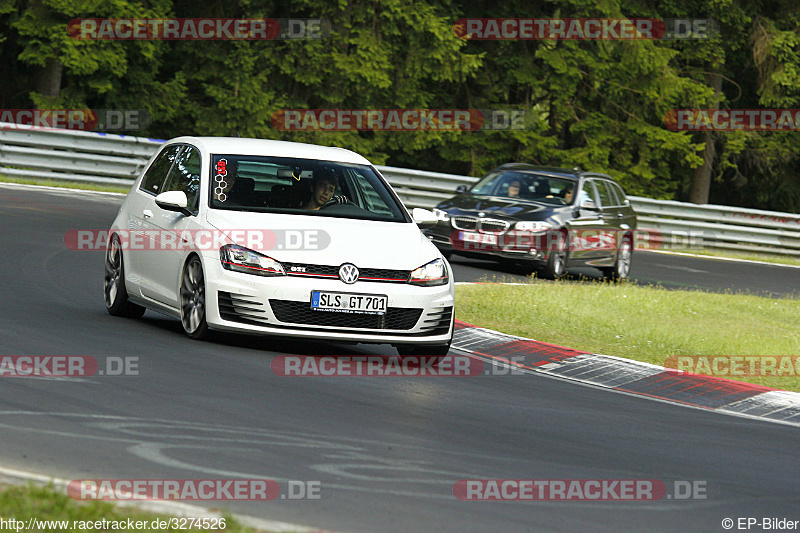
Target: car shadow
x,y
271,343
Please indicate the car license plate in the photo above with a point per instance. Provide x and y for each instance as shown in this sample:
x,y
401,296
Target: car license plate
x,y
481,238
346,302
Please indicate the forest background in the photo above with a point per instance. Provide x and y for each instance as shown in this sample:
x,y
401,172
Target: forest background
x,y
595,104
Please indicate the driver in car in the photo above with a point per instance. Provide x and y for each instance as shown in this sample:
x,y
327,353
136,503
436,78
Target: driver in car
x,y
322,188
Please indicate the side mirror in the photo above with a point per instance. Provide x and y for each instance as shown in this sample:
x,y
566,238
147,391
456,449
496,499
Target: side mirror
x,y
174,201
461,188
424,218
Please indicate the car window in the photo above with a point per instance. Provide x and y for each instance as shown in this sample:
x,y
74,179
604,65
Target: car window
x,y
587,192
267,184
607,194
156,174
492,183
535,186
185,176
371,199
602,193
623,200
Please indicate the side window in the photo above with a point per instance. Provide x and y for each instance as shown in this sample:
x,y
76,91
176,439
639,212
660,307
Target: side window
x,y
158,170
587,192
185,176
623,200
602,193
373,201
610,193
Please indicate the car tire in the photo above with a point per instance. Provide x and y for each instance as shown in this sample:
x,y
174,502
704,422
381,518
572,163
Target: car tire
x,y
556,264
114,292
193,300
622,263
435,352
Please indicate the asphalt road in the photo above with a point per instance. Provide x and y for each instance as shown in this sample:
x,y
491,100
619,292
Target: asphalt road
x,y
665,270
386,452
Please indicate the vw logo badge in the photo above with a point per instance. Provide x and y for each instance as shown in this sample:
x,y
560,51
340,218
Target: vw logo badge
x,y
348,273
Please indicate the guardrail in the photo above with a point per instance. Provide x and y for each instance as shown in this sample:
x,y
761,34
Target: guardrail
x,y
73,155
119,159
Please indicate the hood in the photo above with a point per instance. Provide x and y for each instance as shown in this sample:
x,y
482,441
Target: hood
x,y
498,206
329,241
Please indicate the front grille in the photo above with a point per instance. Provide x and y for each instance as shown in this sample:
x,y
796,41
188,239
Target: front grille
x,y
330,271
480,224
492,224
301,313
241,308
468,223
305,269
437,322
383,274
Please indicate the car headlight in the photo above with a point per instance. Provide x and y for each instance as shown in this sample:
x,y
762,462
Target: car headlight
x,y
239,259
434,273
441,214
532,225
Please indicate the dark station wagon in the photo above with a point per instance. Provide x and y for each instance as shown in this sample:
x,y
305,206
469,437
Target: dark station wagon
x,y
549,219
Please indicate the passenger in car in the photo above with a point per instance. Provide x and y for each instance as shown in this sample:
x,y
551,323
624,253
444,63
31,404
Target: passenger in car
x,y
569,191
513,189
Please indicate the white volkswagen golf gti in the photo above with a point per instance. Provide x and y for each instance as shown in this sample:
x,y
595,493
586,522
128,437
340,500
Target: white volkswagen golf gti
x,y
278,238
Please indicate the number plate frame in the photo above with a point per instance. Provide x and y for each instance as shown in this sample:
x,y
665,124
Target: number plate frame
x,y
361,307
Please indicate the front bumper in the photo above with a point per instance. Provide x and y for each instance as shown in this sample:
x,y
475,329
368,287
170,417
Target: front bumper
x,y
281,306
520,246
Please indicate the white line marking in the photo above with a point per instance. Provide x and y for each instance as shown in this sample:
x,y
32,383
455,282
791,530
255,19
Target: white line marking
x,y
719,258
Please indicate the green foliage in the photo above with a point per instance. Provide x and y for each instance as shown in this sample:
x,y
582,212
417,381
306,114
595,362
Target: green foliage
x,y
599,104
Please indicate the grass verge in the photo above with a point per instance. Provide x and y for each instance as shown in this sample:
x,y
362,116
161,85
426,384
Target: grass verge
x,y
645,324
44,503
86,186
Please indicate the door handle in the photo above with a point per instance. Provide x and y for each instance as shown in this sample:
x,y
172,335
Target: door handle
x,y
147,213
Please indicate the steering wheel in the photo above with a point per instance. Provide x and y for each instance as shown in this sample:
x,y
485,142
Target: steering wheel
x,y
337,200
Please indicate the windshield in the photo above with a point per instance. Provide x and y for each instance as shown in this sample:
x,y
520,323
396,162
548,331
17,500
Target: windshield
x,y
303,186
526,186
